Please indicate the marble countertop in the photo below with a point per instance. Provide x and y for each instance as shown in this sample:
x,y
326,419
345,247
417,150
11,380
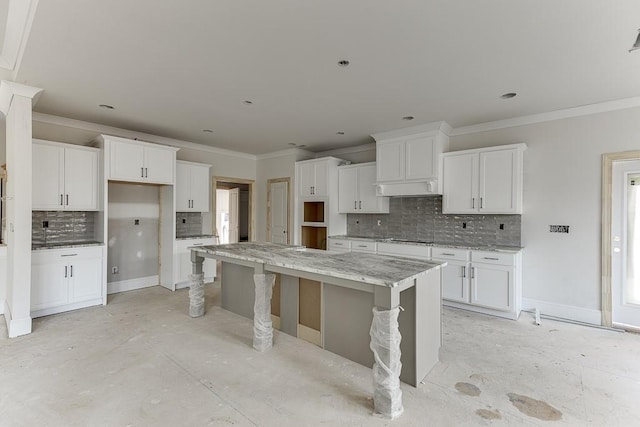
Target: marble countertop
x,y
64,245
506,249
201,236
380,270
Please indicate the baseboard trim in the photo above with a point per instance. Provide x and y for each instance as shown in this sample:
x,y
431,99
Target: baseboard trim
x,y
66,307
16,327
309,335
132,284
569,312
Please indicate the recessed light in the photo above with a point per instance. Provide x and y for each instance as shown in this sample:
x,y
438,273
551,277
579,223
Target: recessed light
x,y
508,95
107,106
207,130
339,133
247,102
408,118
344,63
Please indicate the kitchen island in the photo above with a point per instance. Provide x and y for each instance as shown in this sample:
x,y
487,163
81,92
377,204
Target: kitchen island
x,y
387,282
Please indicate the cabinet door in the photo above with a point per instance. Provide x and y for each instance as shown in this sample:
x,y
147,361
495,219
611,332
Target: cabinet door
x,y
159,165
492,286
321,186
199,180
348,190
368,202
455,282
419,158
390,161
306,179
49,287
85,279
126,162
183,193
48,177
81,179
460,186
498,182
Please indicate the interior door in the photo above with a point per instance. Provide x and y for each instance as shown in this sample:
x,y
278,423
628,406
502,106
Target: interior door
x,y
279,226
234,215
625,231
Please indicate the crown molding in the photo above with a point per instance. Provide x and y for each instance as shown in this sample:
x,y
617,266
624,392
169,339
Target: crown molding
x,y
429,128
583,110
10,89
129,134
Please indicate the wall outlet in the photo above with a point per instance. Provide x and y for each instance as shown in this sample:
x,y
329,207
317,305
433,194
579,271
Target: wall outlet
x,y
501,226
464,225
114,270
184,220
45,224
136,222
379,222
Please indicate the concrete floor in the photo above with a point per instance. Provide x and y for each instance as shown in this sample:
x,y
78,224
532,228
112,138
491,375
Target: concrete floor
x,y
141,360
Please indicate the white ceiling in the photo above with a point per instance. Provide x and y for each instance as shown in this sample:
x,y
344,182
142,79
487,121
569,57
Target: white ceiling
x,y
173,70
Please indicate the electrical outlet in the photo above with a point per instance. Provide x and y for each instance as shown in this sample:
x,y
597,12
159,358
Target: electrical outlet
x,y
114,270
501,226
464,225
45,224
559,229
184,220
136,222
379,222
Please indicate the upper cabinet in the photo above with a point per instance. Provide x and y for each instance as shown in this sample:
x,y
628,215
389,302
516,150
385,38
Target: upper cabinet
x,y
408,160
356,190
485,180
314,177
137,161
65,176
192,187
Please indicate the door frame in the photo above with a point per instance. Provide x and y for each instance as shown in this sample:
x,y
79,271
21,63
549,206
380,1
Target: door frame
x,y
607,210
289,206
252,201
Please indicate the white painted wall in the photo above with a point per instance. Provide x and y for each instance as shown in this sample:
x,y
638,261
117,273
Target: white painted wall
x,y
3,276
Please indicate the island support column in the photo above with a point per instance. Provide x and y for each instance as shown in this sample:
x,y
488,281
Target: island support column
x,y
385,344
196,287
262,326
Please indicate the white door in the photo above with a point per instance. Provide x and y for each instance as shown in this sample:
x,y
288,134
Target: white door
x,y
81,179
625,230
460,186
279,227
48,177
234,211
497,188
348,190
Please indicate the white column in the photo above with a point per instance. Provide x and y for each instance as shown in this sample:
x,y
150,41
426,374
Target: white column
x,y
16,103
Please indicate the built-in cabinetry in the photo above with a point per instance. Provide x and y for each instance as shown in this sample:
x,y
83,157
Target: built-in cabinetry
x,y
137,161
192,187
488,282
357,192
182,261
408,160
65,279
485,180
313,177
65,176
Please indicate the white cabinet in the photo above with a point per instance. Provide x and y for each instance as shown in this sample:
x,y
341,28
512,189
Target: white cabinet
x,y
486,181
136,161
65,177
65,279
455,275
192,187
182,261
408,161
313,178
356,190
339,245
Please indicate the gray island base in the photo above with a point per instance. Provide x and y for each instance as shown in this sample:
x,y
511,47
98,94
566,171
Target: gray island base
x,y
377,310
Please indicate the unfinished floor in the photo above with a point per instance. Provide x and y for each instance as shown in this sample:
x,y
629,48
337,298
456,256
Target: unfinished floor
x,y
141,360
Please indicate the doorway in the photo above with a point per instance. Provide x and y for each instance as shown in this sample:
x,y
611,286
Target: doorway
x,y
621,240
278,210
233,204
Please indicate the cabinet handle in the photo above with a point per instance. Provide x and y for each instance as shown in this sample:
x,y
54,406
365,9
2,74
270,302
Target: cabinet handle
x,y
61,200
71,268
65,271
447,254
480,202
146,172
362,246
473,272
338,244
464,271
473,203
360,204
141,172
355,204
198,244
69,255
493,258
67,200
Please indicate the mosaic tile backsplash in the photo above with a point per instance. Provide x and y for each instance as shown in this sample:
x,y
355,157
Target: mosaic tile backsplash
x,y
188,224
421,218
62,227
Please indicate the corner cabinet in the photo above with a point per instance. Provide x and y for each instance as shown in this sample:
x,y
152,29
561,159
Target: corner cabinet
x,y
356,190
192,187
137,161
65,279
483,181
65,176
408,160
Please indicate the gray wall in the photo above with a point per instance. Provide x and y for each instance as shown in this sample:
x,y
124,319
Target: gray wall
x,y
133,248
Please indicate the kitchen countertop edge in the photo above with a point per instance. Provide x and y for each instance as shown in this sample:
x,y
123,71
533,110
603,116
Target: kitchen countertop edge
x,y
505,249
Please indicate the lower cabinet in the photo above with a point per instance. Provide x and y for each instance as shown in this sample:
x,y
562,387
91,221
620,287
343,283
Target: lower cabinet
x,y
65,279
182,262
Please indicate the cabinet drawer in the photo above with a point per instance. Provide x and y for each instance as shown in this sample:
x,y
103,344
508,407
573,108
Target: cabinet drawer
x,y
339,245
49,255
488,257
450,253
410,251
362,246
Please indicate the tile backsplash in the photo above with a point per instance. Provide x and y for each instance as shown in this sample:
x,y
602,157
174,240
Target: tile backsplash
x,y
188,224
60,227
421,218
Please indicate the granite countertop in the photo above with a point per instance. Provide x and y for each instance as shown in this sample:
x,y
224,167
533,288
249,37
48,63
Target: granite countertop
x,y
64,245
380,270
470,246
200,236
